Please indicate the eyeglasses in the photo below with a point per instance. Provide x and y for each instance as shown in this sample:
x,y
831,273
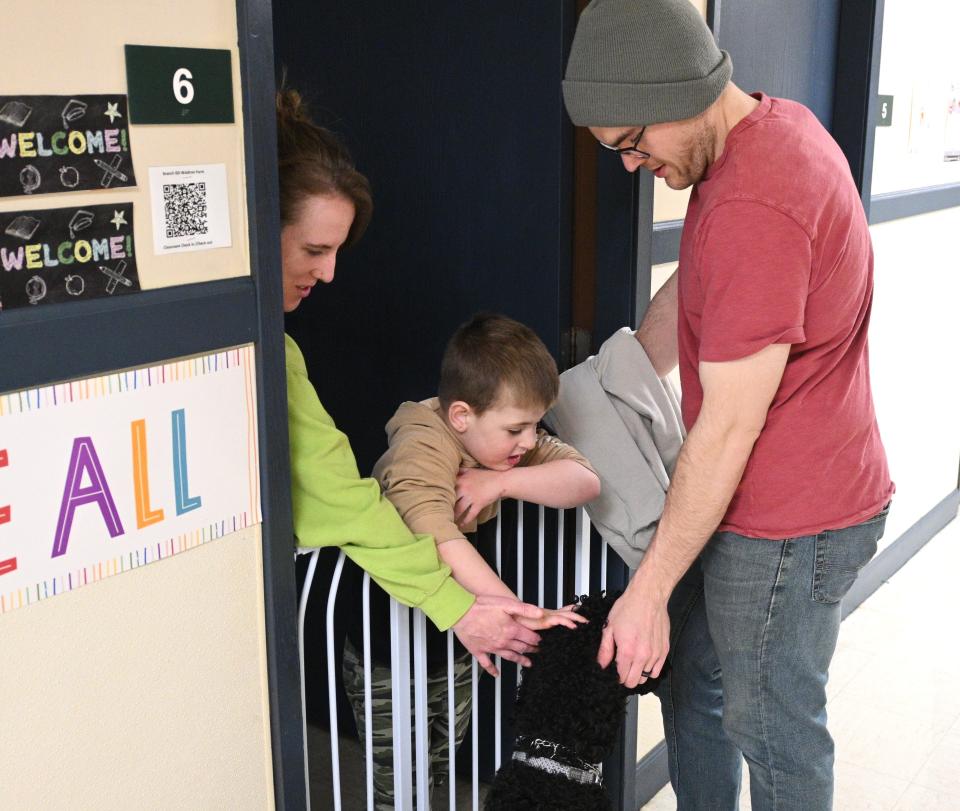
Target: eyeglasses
x,y
631,150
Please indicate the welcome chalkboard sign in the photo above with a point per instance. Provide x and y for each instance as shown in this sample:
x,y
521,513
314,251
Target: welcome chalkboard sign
x,y
51,144
66,254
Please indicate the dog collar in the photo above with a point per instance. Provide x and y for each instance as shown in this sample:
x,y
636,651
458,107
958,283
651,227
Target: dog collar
x,y
555,758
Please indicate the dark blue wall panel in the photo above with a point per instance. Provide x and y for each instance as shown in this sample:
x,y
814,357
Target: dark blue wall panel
x,y
454,112
786,49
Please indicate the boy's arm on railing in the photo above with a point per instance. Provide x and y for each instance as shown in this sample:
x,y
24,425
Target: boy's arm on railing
x,y
476,575
470,570
561,483
334,506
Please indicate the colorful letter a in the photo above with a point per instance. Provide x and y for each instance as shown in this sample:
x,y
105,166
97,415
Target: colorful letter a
x,y
83,459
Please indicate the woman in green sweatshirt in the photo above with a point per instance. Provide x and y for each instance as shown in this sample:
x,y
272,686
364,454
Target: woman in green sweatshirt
x,y
325,204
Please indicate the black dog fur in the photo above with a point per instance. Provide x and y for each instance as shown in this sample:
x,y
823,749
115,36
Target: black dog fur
x,y
565,698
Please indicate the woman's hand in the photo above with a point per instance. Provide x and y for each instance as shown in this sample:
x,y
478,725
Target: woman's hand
x,y
476,488
552,617
492,626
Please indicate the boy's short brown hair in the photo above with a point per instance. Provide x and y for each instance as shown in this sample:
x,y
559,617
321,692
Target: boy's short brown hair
x,y
491,358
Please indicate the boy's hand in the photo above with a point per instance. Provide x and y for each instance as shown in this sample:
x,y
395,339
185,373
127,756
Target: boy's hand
x,y
476,489
565,616
491,626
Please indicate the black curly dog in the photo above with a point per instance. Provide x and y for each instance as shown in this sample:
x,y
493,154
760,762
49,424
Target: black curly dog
x,y
567,717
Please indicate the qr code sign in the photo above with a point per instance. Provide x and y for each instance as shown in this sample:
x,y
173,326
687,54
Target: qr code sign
x,y
185,209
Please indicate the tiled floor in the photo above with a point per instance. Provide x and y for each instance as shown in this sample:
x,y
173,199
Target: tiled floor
x,y
894,700
353,791
894,692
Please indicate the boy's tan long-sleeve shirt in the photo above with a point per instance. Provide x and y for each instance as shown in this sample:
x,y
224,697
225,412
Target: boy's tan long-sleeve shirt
x,y
418,473
334,506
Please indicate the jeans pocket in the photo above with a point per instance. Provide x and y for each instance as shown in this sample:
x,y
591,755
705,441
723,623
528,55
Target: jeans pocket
x,y
841,554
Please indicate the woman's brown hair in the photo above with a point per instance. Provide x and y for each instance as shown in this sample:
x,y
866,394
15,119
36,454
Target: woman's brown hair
x,y
313,162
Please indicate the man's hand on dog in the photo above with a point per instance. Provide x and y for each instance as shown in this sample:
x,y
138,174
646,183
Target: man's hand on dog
x,y
638,630
491,627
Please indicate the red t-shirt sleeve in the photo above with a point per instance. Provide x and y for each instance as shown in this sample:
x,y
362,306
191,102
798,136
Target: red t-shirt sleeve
x,y
754,268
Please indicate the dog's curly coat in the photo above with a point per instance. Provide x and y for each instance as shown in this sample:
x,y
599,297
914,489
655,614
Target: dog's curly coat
x,y
567,699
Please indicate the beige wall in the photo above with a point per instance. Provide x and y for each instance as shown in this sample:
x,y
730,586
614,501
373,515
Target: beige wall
x,y
83,54
143,691
669,204
146,690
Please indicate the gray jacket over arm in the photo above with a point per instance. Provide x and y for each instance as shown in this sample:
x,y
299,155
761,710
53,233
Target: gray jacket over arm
x,y
626,421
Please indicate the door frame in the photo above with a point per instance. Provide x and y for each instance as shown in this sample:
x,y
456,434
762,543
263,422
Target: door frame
x,y
86,338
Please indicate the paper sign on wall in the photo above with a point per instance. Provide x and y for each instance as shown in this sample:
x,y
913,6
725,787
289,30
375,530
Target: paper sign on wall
x,y
179,85
190,210
103,475
64,143
56,255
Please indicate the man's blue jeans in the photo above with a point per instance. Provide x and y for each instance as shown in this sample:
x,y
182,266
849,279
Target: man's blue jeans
x,y
754,625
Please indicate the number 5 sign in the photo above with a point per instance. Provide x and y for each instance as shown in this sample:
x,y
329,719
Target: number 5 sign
x,y
179,85
884,111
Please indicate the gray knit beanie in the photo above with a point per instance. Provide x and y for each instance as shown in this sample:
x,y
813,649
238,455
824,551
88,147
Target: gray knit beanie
x,y
638,62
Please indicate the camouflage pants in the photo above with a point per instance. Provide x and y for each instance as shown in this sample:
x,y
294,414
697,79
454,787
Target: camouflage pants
x,y
382,718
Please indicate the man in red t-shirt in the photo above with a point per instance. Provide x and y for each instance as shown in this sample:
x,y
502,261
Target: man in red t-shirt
x,y
780,493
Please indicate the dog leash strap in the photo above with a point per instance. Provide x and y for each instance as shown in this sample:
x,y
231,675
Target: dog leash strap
x,y
587,777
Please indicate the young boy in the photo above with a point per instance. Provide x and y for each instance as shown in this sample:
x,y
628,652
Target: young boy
x,y
450,460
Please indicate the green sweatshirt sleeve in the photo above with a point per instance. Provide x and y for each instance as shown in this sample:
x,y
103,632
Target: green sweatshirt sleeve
x,y
333,506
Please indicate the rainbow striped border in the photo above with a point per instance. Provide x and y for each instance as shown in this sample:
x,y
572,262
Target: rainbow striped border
x,y
107,385
124,563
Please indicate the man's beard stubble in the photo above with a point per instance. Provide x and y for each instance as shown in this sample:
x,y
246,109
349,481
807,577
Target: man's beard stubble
x,y
698,154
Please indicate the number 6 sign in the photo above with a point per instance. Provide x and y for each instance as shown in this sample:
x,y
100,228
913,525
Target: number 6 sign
x,y
179,85
182,88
